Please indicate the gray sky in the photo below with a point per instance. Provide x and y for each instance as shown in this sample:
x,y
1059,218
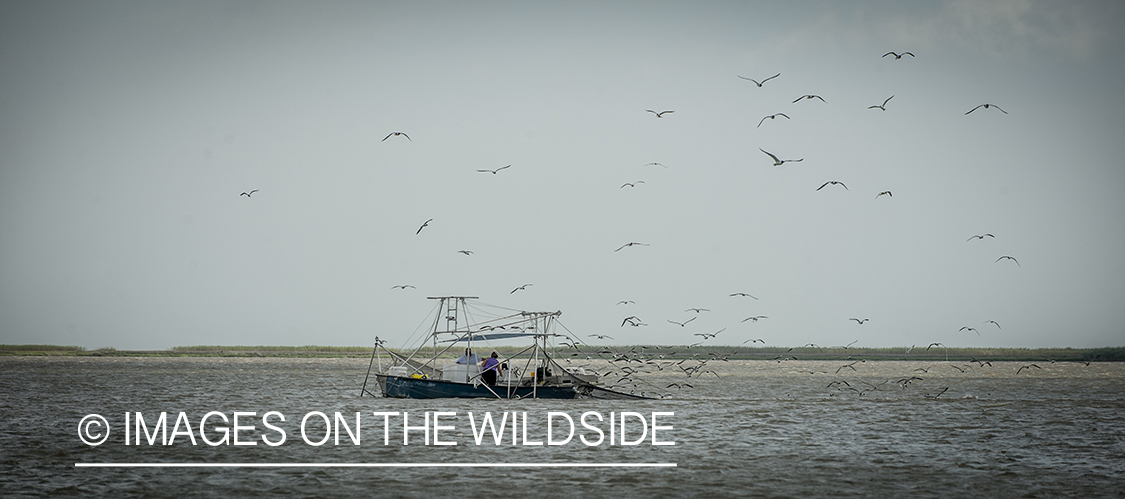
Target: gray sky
x,y
128,131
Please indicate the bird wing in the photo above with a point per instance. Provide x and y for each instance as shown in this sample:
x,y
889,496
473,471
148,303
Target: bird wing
x,y
975,108
775,160
821,187
387,137
763,121
770,78
819,97
908,53
890,53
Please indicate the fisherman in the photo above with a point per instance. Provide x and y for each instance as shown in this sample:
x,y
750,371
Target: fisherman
x,y
491,368
468,358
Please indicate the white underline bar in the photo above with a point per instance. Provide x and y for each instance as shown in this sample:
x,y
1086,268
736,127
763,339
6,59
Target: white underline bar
x,y
374,465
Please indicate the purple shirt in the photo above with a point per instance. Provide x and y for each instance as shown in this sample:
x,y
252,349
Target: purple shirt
x,y
491,363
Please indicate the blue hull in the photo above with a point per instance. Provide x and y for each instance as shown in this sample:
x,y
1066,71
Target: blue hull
x,y
415,388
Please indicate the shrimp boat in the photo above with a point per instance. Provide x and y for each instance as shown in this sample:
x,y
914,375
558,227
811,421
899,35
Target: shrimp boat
x,y
529,373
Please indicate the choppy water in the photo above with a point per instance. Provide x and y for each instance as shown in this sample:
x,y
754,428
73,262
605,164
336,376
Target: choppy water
x,y
760,428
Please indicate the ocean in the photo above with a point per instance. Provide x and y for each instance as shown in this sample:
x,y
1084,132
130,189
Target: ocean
x,y
747,429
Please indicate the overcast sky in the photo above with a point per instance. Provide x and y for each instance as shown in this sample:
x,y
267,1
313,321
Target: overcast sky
x,y
128,131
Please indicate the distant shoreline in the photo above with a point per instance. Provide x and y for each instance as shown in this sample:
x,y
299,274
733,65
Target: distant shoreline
x,y
936,353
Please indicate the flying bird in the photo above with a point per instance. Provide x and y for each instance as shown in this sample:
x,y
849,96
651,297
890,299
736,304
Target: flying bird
x,y
392,134
744,294
403,286
465,252
832,182
755,318
520,288
247,194
898,56
759,83
600,336
973,329
994,322
660,114
626,302
494,171
754,340
980,236
632,320
681,324
934,345
626,245
697,310
1006,257
859,321
779,162
654,164
810,97
631,184
882,107
986,106
884,193
424,225
772,116
1029,366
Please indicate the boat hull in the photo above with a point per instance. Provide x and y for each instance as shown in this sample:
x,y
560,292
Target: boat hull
x,y
420,388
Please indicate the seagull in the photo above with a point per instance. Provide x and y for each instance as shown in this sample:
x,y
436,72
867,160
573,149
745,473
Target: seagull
x,y
986,106
392,134
994,322
426,223
779,162
600,336
626,245
859,321
247,194
754,340
981,236
626,302
759,83
886,193
629,320
654,164
710,335
660,114
631,184
743,294
465,252
403,286
832,182
755,318
898,56
810,97
681,324
520,288
697,310
772,116
494,171
1006,257
973,329
934,345
1027,367
883,106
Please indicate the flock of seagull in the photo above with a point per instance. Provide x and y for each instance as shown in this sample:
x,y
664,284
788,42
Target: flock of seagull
x,y
695,367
